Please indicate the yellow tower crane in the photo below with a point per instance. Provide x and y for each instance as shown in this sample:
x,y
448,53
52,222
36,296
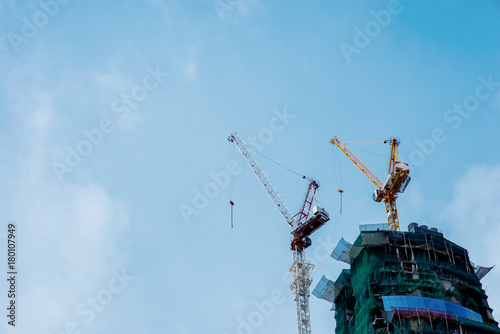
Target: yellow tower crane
x,y
396,182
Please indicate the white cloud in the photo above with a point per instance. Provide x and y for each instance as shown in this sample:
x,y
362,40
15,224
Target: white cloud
x,y
6,3
190,64
166,9
190,71
236,12
413,196
155,3
472,221
475,209
239,303
68,234
111,82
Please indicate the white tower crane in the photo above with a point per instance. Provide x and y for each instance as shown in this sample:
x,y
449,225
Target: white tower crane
x,y
301,227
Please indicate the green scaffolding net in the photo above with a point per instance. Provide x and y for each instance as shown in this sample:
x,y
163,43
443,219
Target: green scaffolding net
x,y
386,263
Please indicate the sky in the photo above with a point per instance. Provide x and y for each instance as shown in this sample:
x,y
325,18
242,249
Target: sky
x,y
117,174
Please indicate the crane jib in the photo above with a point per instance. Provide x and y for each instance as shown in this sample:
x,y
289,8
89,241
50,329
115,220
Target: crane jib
x,y
302,227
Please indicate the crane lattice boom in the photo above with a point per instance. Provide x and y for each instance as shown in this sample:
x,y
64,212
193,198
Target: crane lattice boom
x,y
355,160
271,191
302,227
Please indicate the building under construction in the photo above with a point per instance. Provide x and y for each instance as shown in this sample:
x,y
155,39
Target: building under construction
x,y
398,282
407,282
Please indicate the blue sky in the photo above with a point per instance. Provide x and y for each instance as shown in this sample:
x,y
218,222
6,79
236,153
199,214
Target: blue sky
x,y
115,117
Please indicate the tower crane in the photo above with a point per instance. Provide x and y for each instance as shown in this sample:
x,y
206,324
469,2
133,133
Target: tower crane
x,y
396,182
302,226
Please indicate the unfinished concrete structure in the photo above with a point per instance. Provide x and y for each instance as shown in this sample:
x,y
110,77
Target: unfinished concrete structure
x,y
407,282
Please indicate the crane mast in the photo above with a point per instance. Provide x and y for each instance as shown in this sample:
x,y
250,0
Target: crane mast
x,y
396,182
301,270
301,227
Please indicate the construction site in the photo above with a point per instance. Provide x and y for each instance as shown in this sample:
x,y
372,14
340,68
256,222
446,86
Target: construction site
x,y
413,281
407,282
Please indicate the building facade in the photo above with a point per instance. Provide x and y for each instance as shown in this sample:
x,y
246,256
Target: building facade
x,y
407,282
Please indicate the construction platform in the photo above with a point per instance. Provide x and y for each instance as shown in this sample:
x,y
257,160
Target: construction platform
x,y
407,282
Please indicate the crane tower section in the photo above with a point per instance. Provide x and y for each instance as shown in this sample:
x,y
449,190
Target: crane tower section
x,y
302,226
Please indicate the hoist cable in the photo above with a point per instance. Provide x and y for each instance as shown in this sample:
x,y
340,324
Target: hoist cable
x,y
277,163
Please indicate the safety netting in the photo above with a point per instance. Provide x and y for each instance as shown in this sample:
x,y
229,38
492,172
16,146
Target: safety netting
x,y
413,265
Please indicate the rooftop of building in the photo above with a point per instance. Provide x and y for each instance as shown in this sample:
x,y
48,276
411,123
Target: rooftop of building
x,y
404,275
